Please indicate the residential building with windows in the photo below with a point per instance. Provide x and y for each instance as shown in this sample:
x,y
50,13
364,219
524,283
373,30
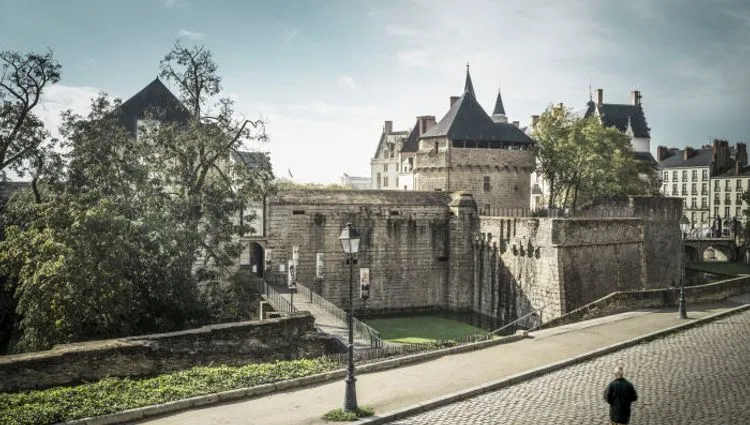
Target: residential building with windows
x,y
710,180
393,164
686,174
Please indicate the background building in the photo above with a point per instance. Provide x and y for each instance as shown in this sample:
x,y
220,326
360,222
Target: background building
x,y
356,183
710,180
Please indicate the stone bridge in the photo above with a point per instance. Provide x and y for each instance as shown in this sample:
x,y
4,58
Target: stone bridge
x,y
696,250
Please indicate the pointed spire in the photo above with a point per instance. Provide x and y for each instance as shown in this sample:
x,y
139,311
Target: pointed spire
x,y
499,108
469,87
591,93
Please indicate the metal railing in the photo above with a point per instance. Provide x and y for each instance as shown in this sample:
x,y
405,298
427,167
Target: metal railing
x,y
274,297
361,329
397,350
532,312
557,213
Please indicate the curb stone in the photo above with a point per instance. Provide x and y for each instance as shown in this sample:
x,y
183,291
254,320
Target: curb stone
x,y
280,386
531,374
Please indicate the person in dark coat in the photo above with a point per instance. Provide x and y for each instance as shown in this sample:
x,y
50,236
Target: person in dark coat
x,y
619,395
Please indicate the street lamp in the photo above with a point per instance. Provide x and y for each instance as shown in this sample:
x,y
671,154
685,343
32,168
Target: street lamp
x,y
350,245
684,225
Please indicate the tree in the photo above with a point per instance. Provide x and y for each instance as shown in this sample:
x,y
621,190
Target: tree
x,y
582,160
206,194
82,268
552,156
107,246
23,79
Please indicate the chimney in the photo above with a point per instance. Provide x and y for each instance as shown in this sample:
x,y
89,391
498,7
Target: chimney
x,y
599,96
534,120
453,100
688,153
388,127
737,167
425,123
662,152
517,124
635,97
741,155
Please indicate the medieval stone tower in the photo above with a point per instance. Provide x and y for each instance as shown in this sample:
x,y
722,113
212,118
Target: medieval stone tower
x,y
470,151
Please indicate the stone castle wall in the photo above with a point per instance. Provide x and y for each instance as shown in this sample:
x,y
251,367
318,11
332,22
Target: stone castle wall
x,y
404,242
430,250
525,263
147,355
464,169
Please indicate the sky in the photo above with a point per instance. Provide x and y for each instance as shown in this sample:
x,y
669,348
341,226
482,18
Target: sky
x,y
325,75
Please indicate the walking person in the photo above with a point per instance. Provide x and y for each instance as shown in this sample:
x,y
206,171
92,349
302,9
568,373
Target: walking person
x,y
619,394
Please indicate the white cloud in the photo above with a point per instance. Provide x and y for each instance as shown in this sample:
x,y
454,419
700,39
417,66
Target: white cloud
x,y
170,3
290,35
193,35
58,98
347,82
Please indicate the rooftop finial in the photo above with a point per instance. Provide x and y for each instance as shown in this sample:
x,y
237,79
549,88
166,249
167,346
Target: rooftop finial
x,y
468,86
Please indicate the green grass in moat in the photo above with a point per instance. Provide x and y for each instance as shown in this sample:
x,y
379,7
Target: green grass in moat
x,y
422,329
727,269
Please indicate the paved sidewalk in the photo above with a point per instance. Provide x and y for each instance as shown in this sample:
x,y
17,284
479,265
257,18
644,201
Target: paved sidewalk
x,y
406,386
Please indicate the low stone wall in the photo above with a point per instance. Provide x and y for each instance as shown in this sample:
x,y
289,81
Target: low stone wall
x,y
147,355
620,302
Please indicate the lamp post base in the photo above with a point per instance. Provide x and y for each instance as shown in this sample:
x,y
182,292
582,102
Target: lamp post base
x,y
682,309
350,398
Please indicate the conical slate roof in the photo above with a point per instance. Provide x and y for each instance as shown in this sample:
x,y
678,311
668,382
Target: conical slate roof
x,y
499,108
468,86
467,120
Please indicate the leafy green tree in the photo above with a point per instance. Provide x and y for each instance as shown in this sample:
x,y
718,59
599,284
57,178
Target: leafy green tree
x,y
107,245
582,160
552,156
23,79
205,193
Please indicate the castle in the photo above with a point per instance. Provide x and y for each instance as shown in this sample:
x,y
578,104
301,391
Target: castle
x,y
466,150
432,249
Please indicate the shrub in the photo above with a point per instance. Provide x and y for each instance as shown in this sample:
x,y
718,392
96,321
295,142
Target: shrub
x,y
341,415
117,394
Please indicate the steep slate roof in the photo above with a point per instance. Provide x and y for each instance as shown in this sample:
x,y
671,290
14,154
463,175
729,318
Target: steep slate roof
x,y
732,171
252,160
155,98
411,143
645,157
617,115
700,158
499,108
467,120
468,86
384,136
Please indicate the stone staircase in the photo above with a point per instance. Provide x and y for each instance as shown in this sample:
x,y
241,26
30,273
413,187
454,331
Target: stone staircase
x,y
328,318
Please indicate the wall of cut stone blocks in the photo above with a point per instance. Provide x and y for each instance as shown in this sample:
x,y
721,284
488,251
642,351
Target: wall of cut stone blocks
x,y
431,251
404,243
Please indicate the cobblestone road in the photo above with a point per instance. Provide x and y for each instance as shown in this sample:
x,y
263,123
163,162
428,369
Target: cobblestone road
x,y
699,376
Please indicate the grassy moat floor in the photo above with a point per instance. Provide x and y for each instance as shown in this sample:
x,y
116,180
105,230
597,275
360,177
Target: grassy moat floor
x,y
422,329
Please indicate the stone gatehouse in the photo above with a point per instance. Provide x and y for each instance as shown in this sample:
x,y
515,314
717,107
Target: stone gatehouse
x,y
432,251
